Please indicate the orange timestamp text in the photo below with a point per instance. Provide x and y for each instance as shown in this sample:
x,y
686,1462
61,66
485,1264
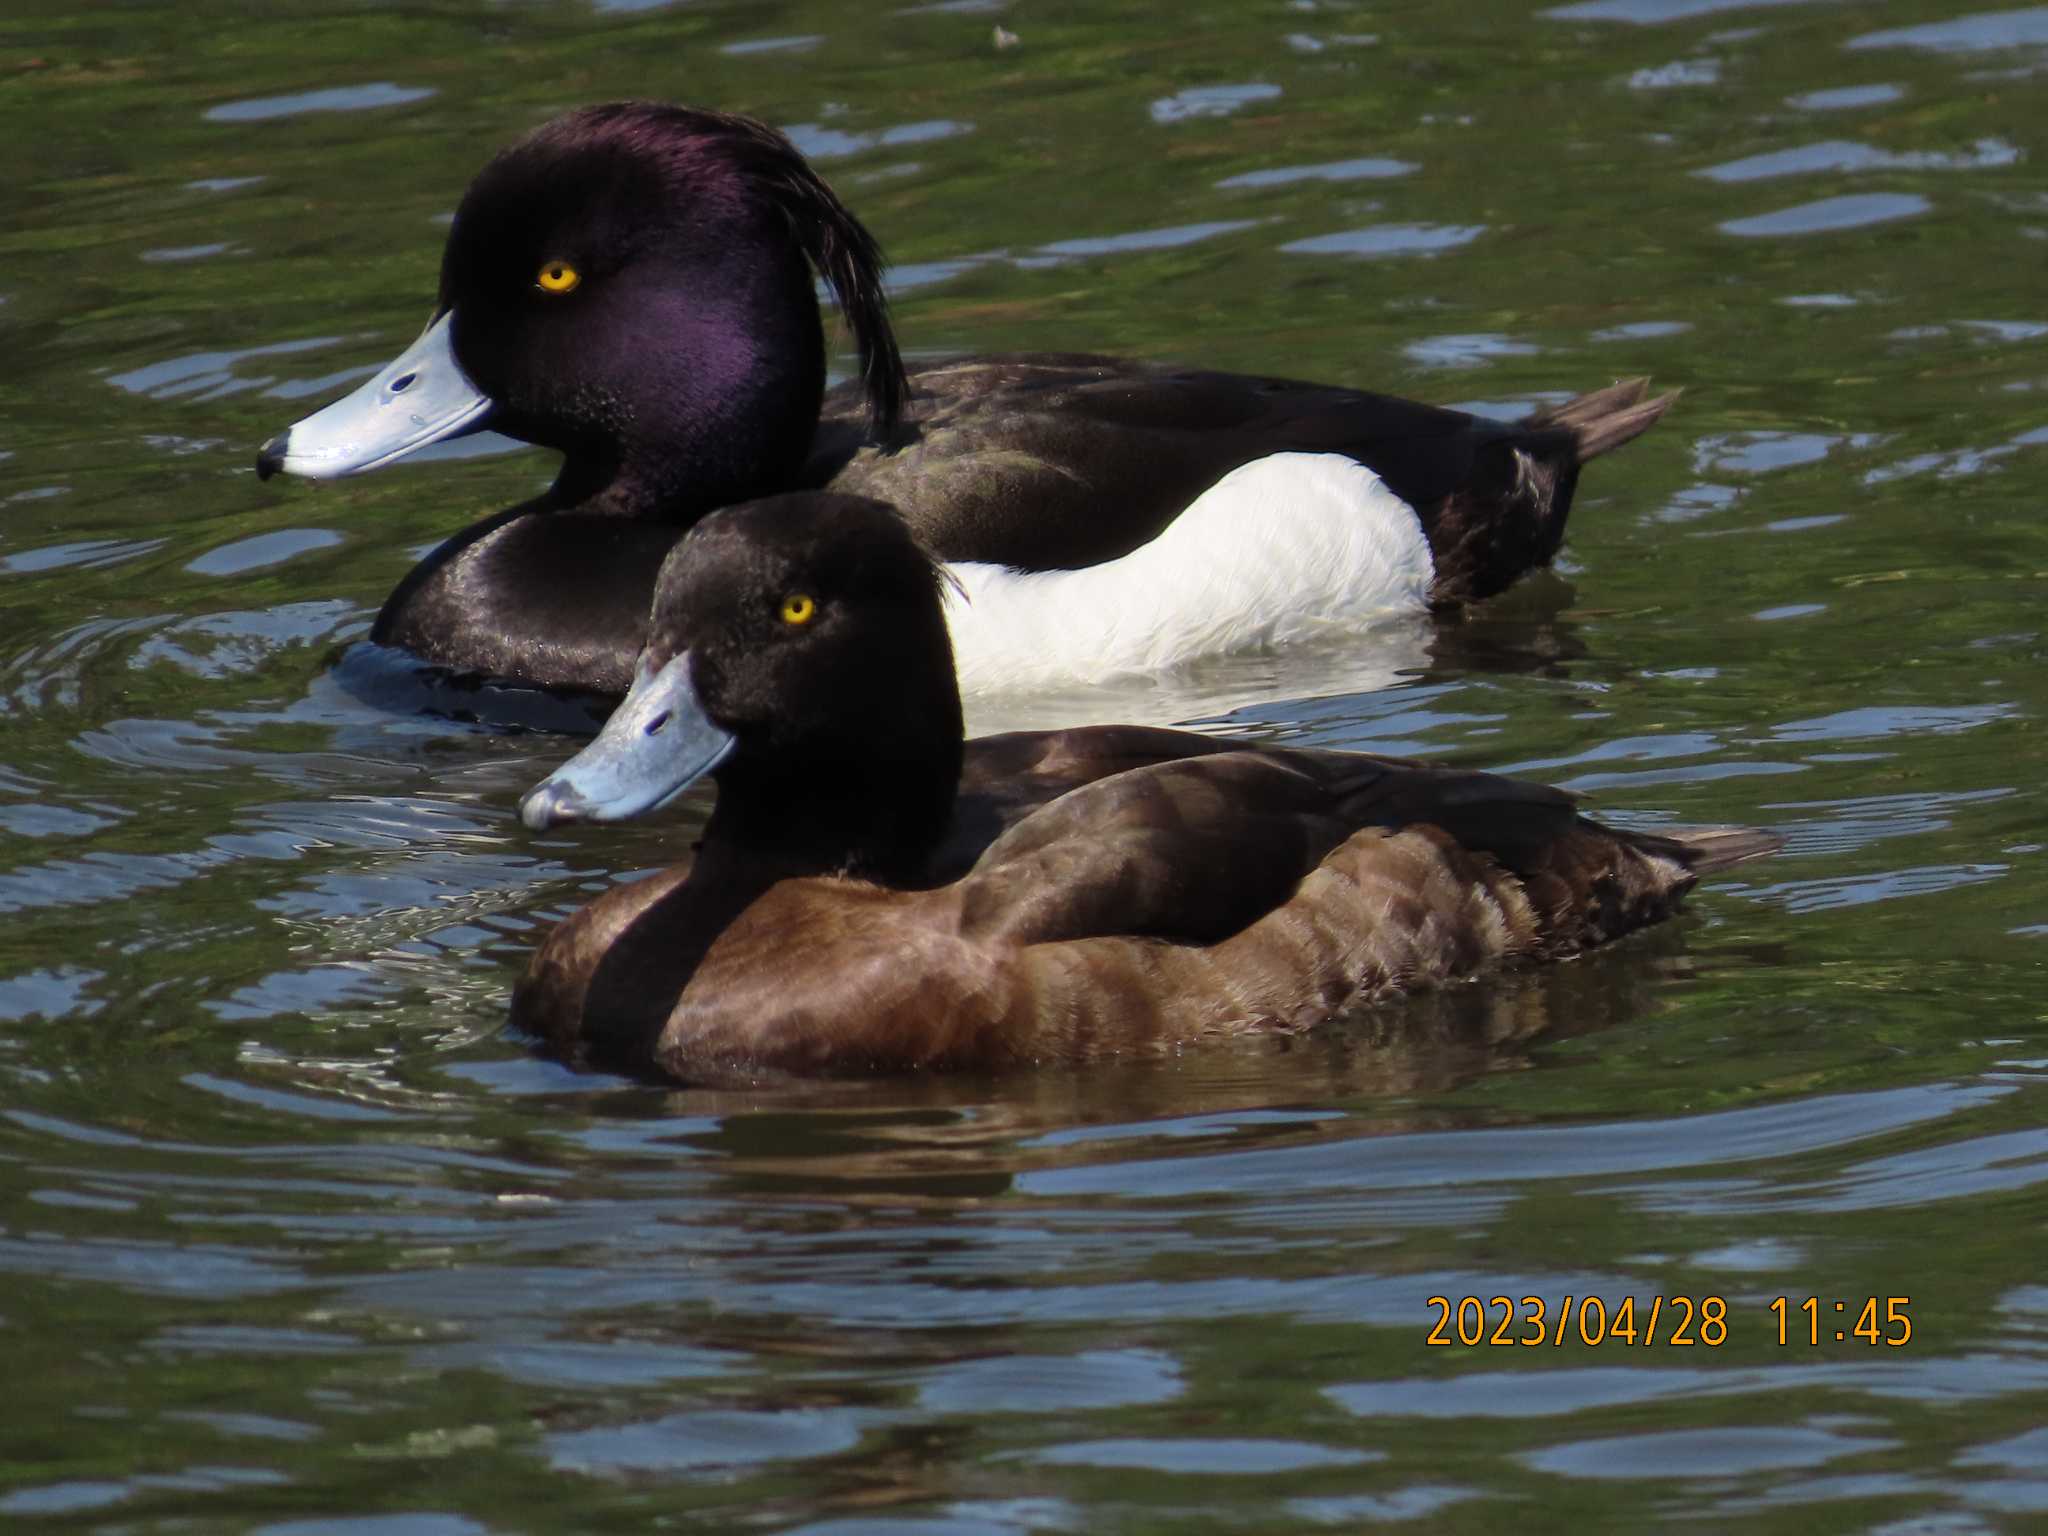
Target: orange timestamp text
x,y
1532,1322
1817,1320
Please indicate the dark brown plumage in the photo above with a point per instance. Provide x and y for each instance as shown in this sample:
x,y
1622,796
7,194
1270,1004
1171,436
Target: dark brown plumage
x,y
1080,893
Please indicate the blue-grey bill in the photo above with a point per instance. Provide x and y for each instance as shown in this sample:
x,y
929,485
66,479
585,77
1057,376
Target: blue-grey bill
x,y
657,743
421,396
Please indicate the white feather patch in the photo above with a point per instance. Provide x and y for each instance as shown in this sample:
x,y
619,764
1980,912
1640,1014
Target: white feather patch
x,y
1280,551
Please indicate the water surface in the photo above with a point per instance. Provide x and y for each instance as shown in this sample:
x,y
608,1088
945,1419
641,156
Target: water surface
x,y
299,1240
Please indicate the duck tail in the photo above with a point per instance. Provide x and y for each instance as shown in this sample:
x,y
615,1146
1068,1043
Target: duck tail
x,y
1606,418
1708,848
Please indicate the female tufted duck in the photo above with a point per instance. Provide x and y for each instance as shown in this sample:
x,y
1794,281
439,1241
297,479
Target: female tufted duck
x,y
873,894
632,284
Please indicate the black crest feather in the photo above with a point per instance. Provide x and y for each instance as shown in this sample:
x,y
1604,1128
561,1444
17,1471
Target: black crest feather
x,y
768,167
849,259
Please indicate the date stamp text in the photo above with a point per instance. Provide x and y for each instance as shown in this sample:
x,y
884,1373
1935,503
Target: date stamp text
x,y
1537,1322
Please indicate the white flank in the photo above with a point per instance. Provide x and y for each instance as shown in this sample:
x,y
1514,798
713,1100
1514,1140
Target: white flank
x,y
1281,551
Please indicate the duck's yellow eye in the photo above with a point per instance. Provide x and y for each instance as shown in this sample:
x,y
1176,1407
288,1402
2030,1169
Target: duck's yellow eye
x,y
557,277
799,608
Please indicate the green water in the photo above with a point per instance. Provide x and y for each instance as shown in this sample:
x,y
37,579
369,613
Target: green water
x,y
297,1240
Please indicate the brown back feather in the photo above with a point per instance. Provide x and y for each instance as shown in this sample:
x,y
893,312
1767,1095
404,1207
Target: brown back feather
x,y
1224,890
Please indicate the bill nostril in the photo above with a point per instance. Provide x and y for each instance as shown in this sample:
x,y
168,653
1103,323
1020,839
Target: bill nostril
x,y
403,382
658,723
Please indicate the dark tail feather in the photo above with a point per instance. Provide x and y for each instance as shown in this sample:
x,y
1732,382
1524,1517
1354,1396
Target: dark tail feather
x,y
1607,418
1705,848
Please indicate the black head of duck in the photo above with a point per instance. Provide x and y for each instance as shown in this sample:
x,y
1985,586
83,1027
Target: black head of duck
x,y
632,284
871,894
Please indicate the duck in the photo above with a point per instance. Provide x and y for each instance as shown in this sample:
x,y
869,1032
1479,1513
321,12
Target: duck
x,y
873,893
632,284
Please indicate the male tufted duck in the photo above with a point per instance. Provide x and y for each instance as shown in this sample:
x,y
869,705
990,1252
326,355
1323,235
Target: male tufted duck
x,y
632,284
874,894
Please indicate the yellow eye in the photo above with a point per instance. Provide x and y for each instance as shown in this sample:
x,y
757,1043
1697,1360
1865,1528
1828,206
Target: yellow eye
x,y
799,608
557,277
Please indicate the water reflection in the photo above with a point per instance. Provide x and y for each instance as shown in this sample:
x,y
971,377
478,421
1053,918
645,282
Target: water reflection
x,y
802,44
1853,211
819,141
1143,240
1388,240
1467,351
1675,76
344,98
1368,169
1848,156
265,549
1703,1453
1200,101
293,1228
211,375
1992,31
1650,13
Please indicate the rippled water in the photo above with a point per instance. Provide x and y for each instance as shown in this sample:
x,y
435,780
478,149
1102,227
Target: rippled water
x,y
298,1240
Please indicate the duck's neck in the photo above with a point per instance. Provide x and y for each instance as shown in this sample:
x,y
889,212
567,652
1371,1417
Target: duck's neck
x,y
876,816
